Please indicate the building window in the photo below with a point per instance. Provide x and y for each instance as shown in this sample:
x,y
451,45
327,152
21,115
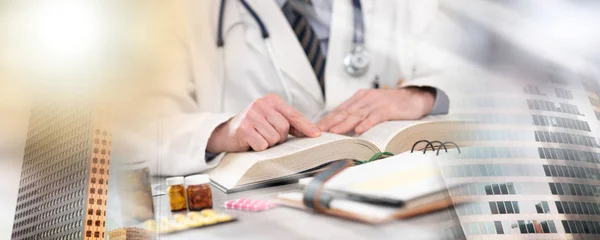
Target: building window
x,y
88,233
493,207
100,191
92,190
95,160
91,201
101,181
97,223
99,201
98,212
499,229
89,222
93,180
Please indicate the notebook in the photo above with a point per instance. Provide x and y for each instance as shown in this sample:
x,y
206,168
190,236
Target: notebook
x,y
413,179
299,157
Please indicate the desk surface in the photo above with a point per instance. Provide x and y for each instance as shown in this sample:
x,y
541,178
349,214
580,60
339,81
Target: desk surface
x,y
287,223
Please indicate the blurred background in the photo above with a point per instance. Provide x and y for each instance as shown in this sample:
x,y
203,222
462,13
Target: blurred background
x,y
105,50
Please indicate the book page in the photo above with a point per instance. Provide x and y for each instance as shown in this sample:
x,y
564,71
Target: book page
x,y
382,133
235,165
290,146
403,177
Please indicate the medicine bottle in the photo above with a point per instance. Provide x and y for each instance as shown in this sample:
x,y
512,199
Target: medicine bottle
x,y
176,193
198,192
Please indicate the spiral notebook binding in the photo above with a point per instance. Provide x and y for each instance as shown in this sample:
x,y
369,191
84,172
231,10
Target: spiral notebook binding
x,y
439,147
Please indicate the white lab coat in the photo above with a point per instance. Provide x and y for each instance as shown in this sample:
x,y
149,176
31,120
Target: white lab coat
x,y
194,99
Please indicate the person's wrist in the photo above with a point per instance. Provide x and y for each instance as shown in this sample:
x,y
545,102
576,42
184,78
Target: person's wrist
x,y
424,99
216,142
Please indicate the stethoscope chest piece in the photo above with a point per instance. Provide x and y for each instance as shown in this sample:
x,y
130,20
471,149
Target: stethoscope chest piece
x,y
357,61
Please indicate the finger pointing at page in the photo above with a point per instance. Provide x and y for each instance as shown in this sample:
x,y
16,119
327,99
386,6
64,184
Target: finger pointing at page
x,y
301,126
266,122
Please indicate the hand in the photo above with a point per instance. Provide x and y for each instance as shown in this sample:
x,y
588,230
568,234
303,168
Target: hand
x,y
368,107
266,122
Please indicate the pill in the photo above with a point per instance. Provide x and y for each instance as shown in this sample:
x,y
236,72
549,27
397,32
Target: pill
x,y
210,220
223,218
207,212
179,218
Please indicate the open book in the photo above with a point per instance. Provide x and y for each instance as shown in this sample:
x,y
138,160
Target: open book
x,y
298,157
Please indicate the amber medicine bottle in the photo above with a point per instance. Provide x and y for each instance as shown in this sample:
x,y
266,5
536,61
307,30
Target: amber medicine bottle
x,y
198,192
176,193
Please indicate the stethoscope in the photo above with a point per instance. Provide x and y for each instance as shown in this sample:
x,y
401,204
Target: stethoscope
x,y
356,62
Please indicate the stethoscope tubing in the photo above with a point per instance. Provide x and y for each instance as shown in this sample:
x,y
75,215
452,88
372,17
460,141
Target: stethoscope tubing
x,y
358,38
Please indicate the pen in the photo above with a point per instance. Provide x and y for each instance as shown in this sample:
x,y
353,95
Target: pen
x,y
377,200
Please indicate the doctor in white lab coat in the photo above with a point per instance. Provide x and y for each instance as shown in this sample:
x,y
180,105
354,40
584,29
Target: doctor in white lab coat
x,y
228,99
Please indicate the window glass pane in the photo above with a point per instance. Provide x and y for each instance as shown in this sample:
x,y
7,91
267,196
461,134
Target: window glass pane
x,y
593,208
552,170
580,227
566,226
503,189
498,226
469,209
477,208
496,189
567,207
483,170
546,207
488,190
490,227
552,226
468,172
584,206
545,228
522,227
515,205
559,207
578,207
538,208
461,210
591,227
472,189
501,208
511,188
509,208
578,190
530,228
493,207
474,228
466,228
482,228
552,188
497,170
559,189
573,227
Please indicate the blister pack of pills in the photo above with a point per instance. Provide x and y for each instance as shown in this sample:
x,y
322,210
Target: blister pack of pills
x,y
182,222
249,205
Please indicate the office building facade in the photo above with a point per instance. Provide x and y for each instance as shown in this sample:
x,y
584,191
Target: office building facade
x,y
535,170
64,178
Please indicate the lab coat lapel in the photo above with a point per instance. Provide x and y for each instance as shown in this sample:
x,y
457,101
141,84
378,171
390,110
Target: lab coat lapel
x,y
417,16
288,51
339,86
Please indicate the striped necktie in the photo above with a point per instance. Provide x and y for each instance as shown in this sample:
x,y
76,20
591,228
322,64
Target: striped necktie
x,y
308,39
